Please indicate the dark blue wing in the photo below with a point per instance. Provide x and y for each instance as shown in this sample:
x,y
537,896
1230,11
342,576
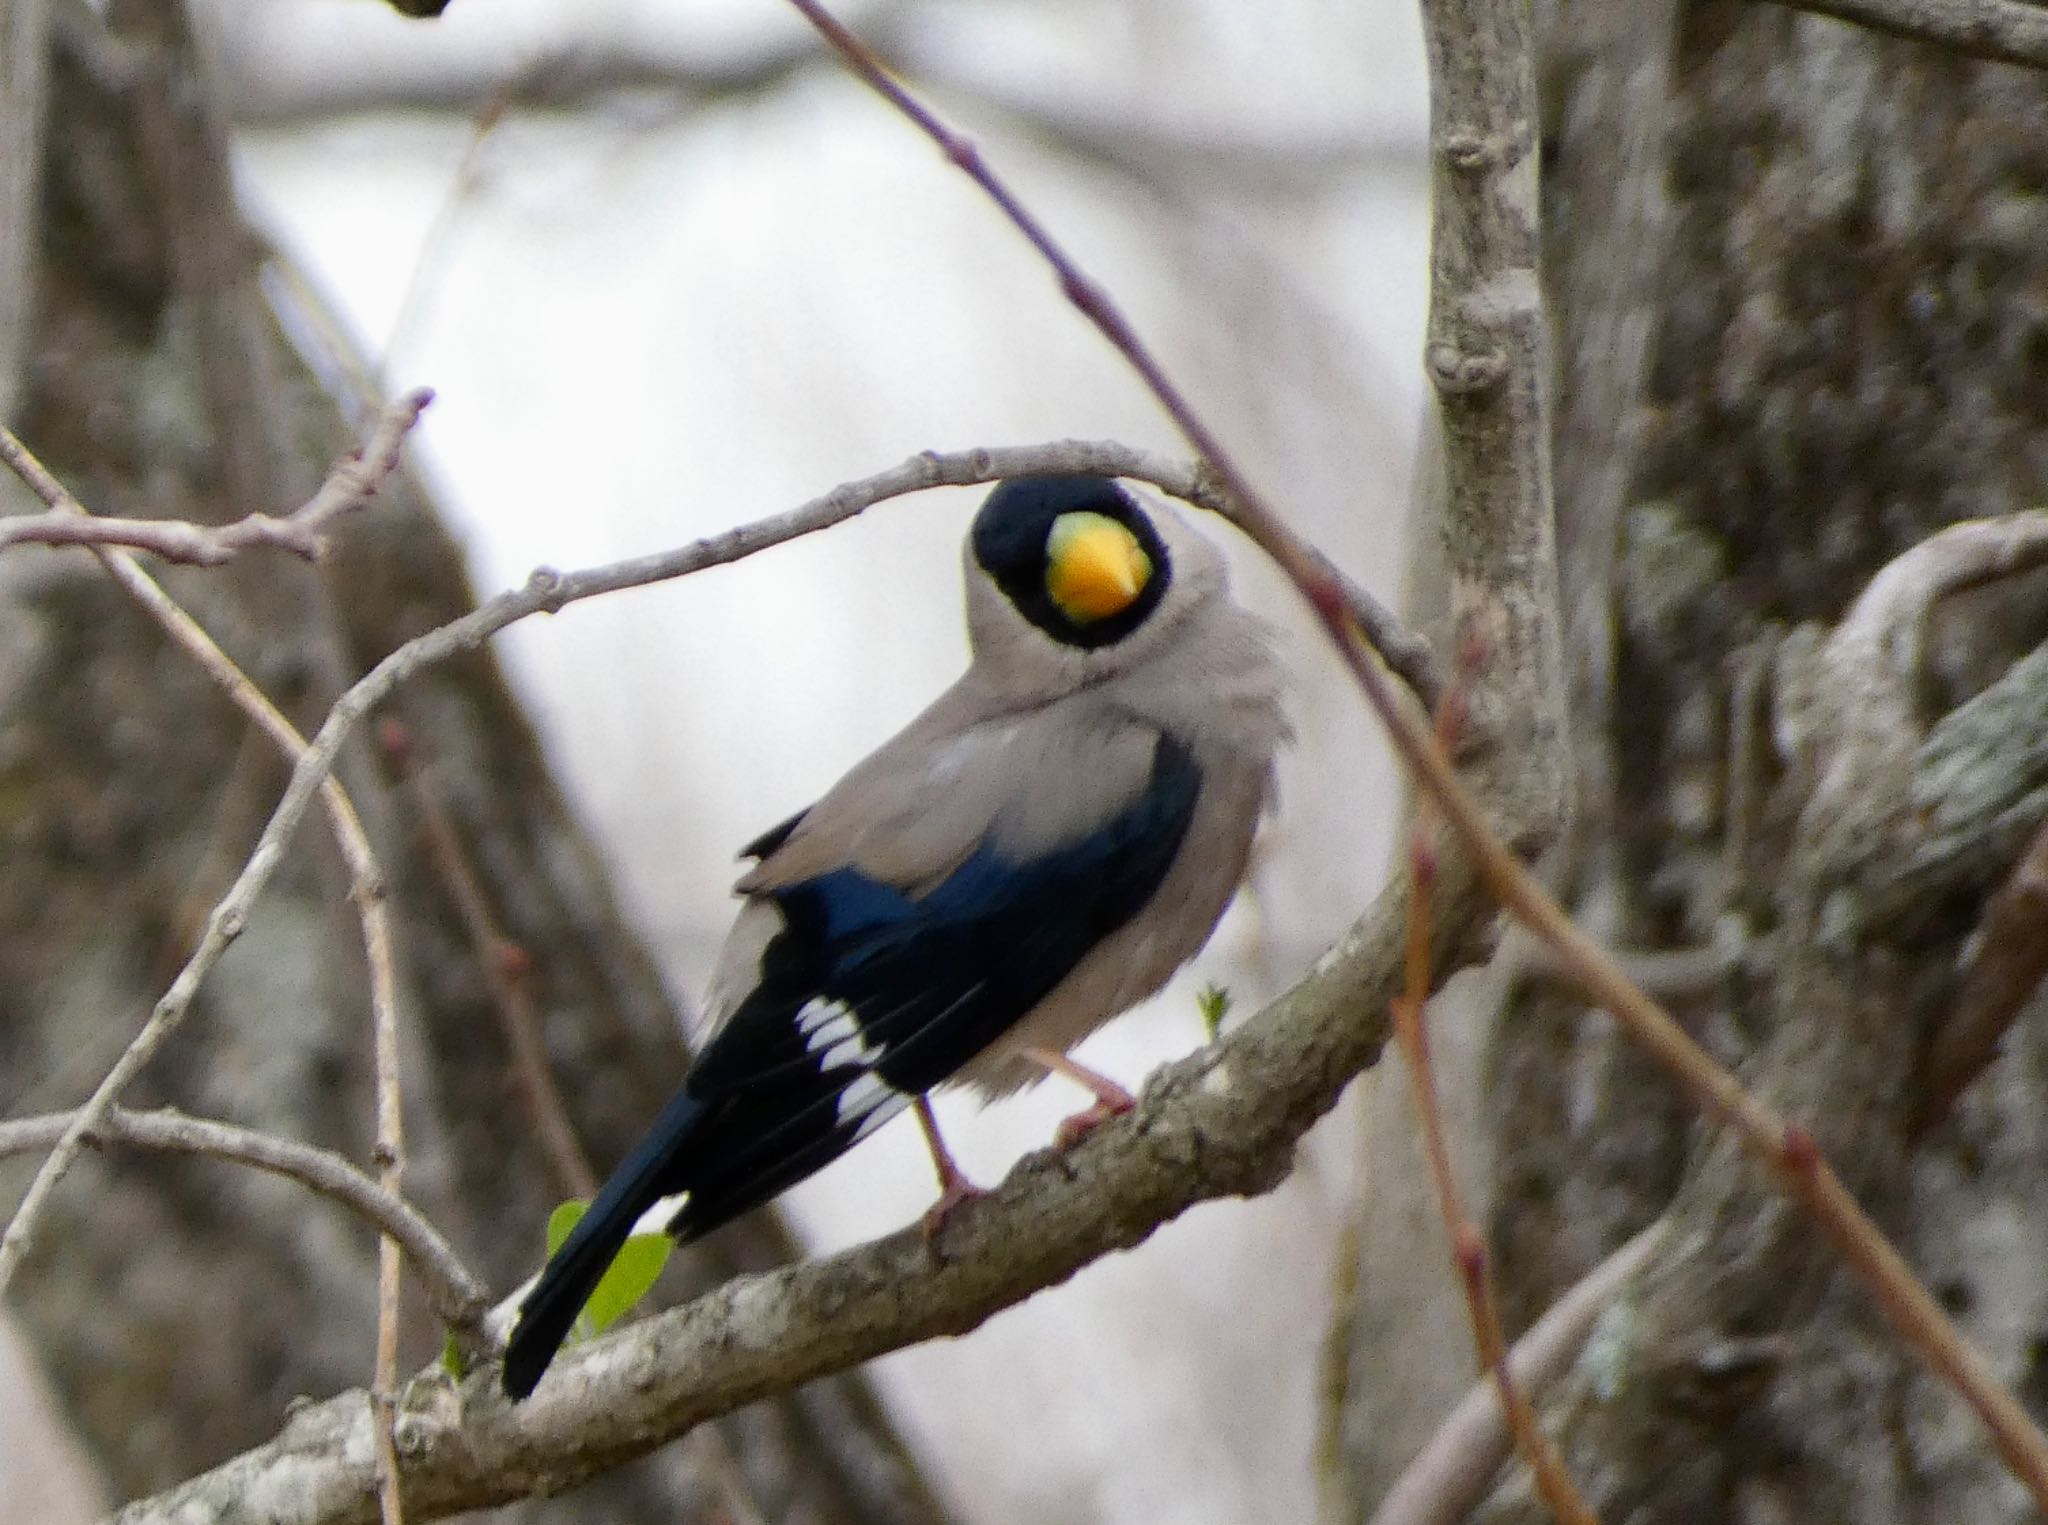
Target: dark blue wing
x,y
868,997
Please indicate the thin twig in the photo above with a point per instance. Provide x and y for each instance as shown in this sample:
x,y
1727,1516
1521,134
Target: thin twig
x,y
390,1175
2007,967
227,922
347,487
350,485
435,243
1334,599
452,1291
1468,1246
1450,1475
507,970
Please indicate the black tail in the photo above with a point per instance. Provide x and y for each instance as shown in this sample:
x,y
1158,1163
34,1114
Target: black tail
x,y
646,1176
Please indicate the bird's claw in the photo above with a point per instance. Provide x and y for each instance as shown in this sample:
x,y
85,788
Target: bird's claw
x,y
1083,1123
958,1190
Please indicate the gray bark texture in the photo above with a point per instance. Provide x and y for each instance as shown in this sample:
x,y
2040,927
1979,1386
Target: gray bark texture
x,y
180,1307
1796,271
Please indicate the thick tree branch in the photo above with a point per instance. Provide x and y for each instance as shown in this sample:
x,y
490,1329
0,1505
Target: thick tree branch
x,y
1220,1123
2008,31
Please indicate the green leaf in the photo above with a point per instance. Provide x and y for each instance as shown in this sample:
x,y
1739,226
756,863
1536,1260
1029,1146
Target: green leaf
x,y
451,1358
564,1219
1213,1002
635,1270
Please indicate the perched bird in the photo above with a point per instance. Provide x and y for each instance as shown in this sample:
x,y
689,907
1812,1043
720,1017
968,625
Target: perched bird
x,y
1037,851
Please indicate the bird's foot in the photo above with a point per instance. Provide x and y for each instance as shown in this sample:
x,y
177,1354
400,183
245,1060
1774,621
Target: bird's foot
x,y
954,1187
1083,1123
954,1190
1111,1099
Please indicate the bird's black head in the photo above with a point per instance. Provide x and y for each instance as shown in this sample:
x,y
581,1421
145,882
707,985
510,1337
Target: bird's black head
x,y
1076,554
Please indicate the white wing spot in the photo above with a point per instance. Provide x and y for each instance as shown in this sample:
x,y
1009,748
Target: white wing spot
x,y
658,1217
895,1102
844,1028
853,1051
821,1011
871,1100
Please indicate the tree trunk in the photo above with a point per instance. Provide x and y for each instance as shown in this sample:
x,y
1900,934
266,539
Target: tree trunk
x,y
180,1307
1797,271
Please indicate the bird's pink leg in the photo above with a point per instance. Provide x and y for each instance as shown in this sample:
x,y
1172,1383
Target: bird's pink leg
x,y
1111,1099
954,1187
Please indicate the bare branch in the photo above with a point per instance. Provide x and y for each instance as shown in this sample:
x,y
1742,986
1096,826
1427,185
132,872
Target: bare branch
x,y
350,485
2009,963
347,487
354,480
1221,1123
1878,641
1449,1477
1672,975
453,1293
368,893
506,967
2009,31
1467,1244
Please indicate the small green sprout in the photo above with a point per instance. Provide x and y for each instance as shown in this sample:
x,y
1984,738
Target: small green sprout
x,y
1213,1002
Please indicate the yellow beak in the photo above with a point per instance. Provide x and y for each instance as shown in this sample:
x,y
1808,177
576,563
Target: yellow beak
x,y
1094,566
